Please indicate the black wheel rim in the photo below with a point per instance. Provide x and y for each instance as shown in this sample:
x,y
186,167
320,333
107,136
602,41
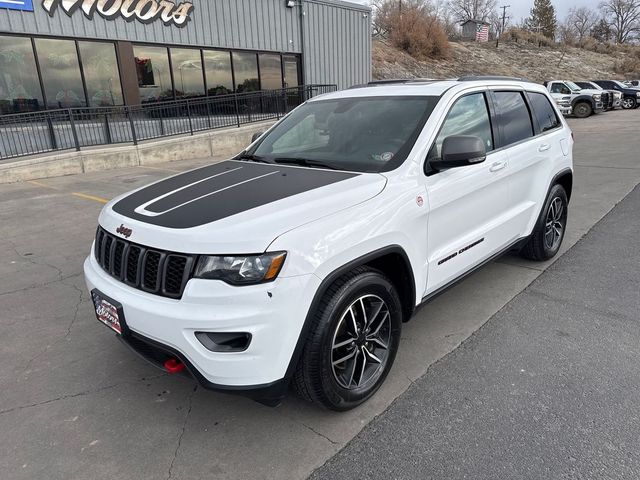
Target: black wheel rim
x,y
582,110
554,224
360,345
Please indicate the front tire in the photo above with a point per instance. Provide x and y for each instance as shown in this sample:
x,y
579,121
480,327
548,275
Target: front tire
x,y
547,236
629,103
352,342
582,110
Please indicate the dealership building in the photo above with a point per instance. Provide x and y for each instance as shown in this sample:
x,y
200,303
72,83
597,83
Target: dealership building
x,y
99,53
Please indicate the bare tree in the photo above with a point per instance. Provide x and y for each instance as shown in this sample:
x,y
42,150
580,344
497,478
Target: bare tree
x,y
464,10
624,18
579,22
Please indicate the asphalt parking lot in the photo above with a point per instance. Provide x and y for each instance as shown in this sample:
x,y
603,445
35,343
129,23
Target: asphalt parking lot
x,y
76,404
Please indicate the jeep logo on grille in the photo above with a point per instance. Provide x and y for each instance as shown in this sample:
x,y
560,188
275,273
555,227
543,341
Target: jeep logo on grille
x,y
124,231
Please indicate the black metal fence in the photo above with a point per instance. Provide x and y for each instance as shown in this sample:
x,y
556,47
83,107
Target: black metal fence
x,y
74,128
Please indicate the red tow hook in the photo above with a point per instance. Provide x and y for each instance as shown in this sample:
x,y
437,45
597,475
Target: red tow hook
x,y
173,365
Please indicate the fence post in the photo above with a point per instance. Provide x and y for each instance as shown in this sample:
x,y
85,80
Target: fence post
x,y
133,128
235,99
107,131
52,134
189,117
73,130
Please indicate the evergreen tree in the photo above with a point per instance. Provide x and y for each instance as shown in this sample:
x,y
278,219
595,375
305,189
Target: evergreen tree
x,y
543,19
601,31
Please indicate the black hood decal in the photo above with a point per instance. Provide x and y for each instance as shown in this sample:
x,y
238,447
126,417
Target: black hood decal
x,y
218,191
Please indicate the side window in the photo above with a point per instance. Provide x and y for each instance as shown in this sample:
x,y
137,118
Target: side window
x,y
513,117
560,88
544,112
468,116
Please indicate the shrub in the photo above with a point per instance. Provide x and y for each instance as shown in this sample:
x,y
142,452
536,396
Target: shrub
x,y
415,30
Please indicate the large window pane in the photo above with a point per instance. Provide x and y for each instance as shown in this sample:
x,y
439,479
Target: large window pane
x,y
270,71
217,67
291,71
60,73
101,73
187,72
19,85
154,77
513,117
245,67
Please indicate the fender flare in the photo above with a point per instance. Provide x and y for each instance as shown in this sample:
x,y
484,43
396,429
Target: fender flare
x,y
329,280
582,98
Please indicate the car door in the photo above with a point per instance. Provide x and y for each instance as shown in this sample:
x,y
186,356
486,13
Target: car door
x,y
559,90
466,203
530,134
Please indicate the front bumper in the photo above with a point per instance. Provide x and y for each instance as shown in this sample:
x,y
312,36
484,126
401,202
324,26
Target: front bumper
x,y
273,313
565,109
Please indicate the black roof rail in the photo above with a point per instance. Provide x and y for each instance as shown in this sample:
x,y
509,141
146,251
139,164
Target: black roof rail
x,y
401,81
474,78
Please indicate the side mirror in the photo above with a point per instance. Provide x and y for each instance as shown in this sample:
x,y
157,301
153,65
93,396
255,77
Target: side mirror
x,y
256,136
460,151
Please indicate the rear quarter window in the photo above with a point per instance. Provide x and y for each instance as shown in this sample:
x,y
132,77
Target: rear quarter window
x,y
514,119
543,112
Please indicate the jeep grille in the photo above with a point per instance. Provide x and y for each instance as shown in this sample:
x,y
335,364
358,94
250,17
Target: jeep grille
x,y
148,269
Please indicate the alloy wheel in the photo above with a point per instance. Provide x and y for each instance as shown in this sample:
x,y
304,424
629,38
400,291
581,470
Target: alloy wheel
x,y
554,227
360,346
627,103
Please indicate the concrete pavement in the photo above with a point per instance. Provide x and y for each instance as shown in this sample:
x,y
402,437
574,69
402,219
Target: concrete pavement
x,y
548,388
74,403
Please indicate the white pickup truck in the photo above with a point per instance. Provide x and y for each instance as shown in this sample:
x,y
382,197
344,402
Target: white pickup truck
x,y
573,100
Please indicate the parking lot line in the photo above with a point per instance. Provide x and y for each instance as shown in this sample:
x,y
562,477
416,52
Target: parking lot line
x,y
40,184
90,197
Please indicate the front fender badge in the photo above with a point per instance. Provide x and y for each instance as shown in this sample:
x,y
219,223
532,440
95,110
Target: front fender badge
x,y
420,200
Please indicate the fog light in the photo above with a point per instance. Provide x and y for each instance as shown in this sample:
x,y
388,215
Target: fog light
x,y
224,342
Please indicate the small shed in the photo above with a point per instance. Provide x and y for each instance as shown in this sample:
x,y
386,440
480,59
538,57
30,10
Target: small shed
x,y
477,30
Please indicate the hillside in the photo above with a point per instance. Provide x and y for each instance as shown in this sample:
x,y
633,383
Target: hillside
x,y
513,59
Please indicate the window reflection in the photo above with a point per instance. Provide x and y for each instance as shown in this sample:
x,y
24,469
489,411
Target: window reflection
x,y
270,71
154,78
19,86
187,72
245,66
291,72
60,73
101,73
218,72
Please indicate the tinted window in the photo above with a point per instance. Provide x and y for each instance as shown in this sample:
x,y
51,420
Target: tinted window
x,y
101,73
154,77
560,88
245,66
60,73
218,71
291,71
19,85
270,71
468,116
544,112
369,134
187,72
513,116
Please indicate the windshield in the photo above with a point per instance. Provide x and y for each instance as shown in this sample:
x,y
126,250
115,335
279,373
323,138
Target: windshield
x,y
366,134
572,86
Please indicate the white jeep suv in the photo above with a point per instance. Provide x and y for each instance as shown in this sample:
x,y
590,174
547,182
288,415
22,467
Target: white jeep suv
x,y
298,261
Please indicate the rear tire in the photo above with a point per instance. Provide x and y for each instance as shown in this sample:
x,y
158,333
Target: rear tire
x,y
582,110
547,236
352,343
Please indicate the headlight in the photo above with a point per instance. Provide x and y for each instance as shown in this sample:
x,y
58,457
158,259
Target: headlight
x,y
241,270
597,97
637,94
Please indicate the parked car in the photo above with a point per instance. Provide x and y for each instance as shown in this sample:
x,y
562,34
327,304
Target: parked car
x,y
630,96
298,260
574,100
615,97
632,83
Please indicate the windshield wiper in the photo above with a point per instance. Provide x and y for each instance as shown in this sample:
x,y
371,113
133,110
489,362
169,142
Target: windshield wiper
x,y
304,162
252,158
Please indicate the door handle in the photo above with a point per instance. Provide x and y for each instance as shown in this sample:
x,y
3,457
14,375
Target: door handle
x,y
544,147
498,166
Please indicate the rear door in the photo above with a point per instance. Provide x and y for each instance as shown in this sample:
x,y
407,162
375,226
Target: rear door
x,y
466,203
530,134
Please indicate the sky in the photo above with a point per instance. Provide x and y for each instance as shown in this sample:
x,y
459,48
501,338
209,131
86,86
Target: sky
x,y
520,8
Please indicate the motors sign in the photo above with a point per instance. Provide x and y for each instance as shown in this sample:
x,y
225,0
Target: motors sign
x,y
145,11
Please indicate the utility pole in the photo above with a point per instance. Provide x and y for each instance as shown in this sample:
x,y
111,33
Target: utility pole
x,y
400,7
504,20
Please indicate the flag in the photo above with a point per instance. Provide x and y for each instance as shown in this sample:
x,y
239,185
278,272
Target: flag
x,y
482,33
